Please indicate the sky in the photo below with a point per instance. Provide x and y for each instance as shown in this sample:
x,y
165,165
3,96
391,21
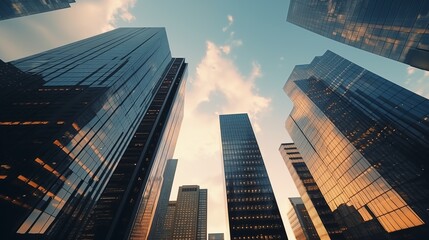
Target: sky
x,y
240,54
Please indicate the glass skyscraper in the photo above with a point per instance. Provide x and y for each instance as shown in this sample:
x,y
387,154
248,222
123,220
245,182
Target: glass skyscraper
x,y
252,208
300,221
158,223
365,141
396,29
20,8
315,204
85,130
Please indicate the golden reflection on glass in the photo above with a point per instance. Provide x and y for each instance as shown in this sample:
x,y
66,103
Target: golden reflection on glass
x,y
354,181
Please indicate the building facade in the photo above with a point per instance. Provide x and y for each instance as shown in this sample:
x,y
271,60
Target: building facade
x,y
397,29
20,8
252,207
85,132
190,220
158,223
364,141
216,236
313,200
300,221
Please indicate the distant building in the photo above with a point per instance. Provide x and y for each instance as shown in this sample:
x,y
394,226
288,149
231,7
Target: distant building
x,y
396,29
168,228
216,236
158,224
252,208
300,221
85,130
20,8
365,142
318,210
190,216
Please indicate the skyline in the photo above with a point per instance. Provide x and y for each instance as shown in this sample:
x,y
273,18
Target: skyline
x,y
254,55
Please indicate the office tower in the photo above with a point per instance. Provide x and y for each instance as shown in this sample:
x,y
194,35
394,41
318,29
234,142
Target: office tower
x,y
365,142
252,207
169,221
158,223
190,220
20,8
396,29
300,221
85,130
216,236
313,200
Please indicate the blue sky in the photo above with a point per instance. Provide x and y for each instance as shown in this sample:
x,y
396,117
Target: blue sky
x,y
240,54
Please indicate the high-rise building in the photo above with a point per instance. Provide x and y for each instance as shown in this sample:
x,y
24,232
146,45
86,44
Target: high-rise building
x,y
158,223
216,236
396,29
85,130
252,208
315,204
190,217
300,221
365,141
169,221
20,8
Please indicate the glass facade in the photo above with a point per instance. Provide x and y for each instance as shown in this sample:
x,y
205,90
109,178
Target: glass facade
x,y
396,29
300,221
313,200
190,217
20,8
252,208
74,120
365,142
216,236
157,229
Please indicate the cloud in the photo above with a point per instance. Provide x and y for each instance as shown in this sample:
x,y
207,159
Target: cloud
x,y
217,87
230,22
418,81
411,70
83,19
231,42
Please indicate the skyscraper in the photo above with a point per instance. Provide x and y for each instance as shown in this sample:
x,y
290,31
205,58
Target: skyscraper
x,y
365,142
396,29
252,207
158,223
318,210
85,131
20,8
190,217
300,221
216,236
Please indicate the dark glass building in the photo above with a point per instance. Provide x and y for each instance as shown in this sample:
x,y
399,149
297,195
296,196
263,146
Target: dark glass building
x,y
85,130
252,208
20,8
365,141
158,222
300,221
314,203
396,29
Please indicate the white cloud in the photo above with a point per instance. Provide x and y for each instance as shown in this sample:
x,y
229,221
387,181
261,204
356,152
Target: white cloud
x,y
218,87
418,81
226,49
48,30
230,22
411,70
230,19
